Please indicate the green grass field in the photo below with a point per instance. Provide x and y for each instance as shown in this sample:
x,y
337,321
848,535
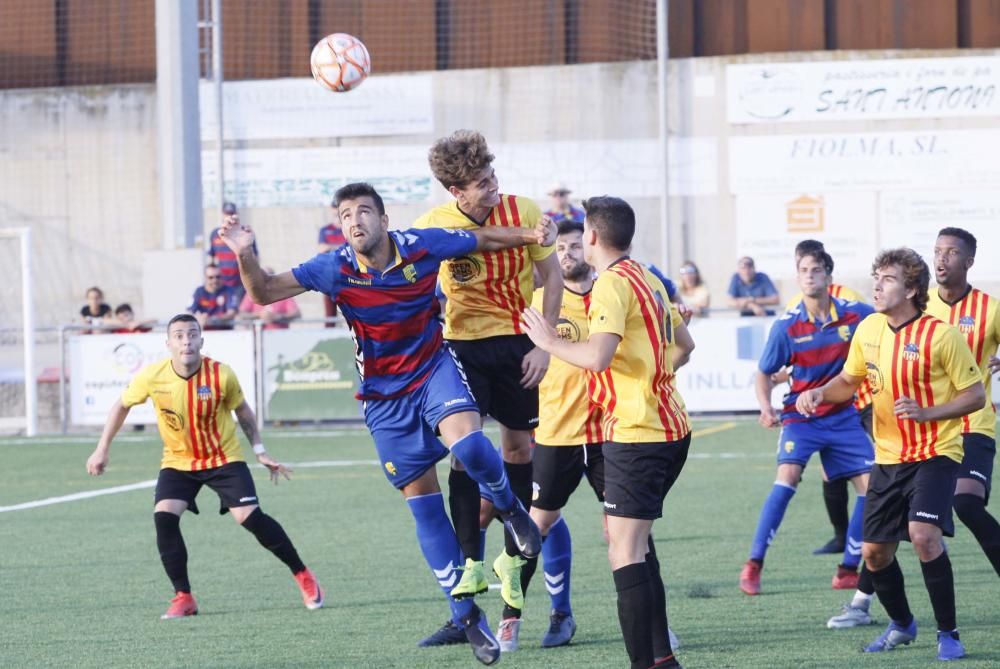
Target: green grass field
x,y
82,585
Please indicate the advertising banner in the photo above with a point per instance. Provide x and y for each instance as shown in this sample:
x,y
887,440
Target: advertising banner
x,y
841,90
309,374
100,367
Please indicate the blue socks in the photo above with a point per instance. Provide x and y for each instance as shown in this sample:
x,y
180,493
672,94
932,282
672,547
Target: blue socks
x,y
485,467
557,559
852,547
440,547
770,518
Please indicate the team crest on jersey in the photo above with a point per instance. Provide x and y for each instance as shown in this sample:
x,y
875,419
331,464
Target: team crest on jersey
x,y
844,332
391,468
568,330
172,420
875,381
966,324
911,352
464,269
410,273
204,393
789,446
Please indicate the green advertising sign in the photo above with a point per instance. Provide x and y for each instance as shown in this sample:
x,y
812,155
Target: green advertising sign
x,y
309,375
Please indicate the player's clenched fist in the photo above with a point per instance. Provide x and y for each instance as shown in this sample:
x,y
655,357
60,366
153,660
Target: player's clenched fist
x,y
809,401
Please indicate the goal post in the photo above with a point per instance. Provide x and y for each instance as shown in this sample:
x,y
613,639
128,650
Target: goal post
x,y
30,419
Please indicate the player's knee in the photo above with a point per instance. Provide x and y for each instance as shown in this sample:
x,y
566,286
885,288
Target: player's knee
x,y
876,558
926,543
968,508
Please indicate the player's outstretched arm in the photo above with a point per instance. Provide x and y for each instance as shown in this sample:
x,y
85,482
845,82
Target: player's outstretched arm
x,y
263,288
497,238
839,389
98,460
594,354
248,423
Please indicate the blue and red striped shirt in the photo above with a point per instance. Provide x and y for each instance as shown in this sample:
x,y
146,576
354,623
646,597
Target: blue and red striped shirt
x,y
331,235
815,350
392,314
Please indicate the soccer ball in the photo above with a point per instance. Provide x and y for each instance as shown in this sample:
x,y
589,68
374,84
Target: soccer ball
x,y
340,62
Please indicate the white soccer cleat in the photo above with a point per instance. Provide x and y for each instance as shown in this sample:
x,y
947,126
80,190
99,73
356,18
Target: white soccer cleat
x,y
850,616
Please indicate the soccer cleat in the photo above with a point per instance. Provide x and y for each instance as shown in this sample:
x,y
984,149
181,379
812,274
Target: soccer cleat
x,y
949,646
845,578
312,593
507,634
831,547
672,639
473,581
668,662
449,634
508,570
180,606
523,530
894,635
850,616
562,627
750,578
480,637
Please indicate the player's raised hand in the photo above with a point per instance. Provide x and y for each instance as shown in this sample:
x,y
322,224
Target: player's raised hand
x,y
908,408
808,401
275,468
546,231
97,462
237,237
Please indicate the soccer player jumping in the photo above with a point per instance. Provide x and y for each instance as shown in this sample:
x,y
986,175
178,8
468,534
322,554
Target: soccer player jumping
x,y
411,383
923,379
813,339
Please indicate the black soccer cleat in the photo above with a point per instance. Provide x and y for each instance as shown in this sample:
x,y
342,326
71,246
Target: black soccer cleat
x,y
831,547
523,530
485,646
448,635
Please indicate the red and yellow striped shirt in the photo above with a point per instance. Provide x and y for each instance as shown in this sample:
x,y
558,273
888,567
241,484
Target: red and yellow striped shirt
x,y
487,291
566,415
977,317
194,415
925,360
636,393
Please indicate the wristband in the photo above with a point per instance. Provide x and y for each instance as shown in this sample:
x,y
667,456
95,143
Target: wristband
x,y
259,449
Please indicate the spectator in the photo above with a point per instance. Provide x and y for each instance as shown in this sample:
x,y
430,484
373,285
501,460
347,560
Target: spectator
x,y
126,321
214,304
220,256
330,237
276,316
751,291
95,312
693,289
561,209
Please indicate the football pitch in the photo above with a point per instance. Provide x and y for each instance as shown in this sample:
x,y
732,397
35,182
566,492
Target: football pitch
x,y
82,584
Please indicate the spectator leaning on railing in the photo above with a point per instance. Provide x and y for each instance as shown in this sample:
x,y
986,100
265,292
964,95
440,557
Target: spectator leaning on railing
x,y
751,291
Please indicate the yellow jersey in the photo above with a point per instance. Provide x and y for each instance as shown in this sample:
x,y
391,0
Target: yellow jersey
x,y
926,360
835,290
977,317
487,291
567,416
194,415
637,395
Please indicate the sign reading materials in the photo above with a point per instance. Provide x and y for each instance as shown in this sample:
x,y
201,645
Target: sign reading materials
x,y
309,375
840,90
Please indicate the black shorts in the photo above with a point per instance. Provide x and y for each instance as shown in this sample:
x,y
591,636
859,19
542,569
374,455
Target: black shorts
x,y
557,471
978,461
911,491
232,482
639,476
866,421
493,368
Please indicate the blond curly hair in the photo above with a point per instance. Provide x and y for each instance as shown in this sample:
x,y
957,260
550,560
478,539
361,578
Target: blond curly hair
x,y
457,160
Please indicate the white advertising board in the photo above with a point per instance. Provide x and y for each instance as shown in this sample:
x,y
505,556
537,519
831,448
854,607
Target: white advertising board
x,y
839,90
102,365
820,163
769,225
308,176
301,109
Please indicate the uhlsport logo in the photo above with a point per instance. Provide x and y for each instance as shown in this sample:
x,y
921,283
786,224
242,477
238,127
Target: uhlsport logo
x,y
204,393
966,324
911,352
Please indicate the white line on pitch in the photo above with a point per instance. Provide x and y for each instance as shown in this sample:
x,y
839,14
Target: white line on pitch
x,y
79,495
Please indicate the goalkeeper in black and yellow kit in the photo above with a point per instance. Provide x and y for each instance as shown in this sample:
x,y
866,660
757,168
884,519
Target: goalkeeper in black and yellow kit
x,y
195,397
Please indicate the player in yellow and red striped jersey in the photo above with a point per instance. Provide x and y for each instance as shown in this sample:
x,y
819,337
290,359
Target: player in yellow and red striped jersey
x,y
977,317
924,380
194,398
486,292
636,342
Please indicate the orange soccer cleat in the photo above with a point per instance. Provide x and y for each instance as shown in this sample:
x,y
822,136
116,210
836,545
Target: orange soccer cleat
x,y
180,606
312,593
750,578
845,578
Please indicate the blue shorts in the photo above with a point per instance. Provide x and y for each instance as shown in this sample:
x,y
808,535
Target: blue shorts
x,y
404,428
844,448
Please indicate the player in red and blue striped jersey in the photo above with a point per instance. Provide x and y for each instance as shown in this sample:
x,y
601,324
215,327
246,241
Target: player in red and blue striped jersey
x,y
411,383
814,339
